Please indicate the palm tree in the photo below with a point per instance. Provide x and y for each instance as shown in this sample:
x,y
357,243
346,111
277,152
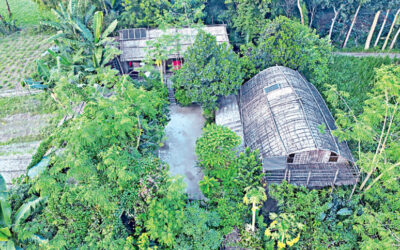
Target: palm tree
x,y
255,197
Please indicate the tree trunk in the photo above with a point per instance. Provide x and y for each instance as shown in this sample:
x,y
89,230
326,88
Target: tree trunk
x,y
253,222
9,10
333,22
301,12
312,17
371,32
394,39
391,29
382,27
351,26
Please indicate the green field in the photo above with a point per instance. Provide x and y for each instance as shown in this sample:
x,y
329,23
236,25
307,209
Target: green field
x,y
25,12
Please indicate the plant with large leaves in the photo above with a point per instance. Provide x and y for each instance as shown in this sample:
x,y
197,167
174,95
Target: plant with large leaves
x,y
83,35
10,236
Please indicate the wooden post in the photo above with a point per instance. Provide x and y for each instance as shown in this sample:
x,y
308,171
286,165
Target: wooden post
x,y
382,27
334,180
289,177
391,29
371,31
308,178
284,178
394,39
351,26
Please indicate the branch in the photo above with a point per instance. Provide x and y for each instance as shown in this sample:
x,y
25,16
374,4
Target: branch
x,y
380,176
379,145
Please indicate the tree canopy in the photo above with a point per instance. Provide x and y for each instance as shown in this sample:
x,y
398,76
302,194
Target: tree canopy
x,y
210,71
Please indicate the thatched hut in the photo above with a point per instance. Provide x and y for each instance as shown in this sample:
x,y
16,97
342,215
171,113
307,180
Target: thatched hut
x,y
133,43
287,120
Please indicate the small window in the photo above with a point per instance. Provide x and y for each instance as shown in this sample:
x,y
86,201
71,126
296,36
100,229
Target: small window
x,y
131,34
137,33
125,34
271,88
142,33
290,158
333,157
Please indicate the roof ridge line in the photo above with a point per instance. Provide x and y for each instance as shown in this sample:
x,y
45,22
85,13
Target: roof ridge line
x,y
301,105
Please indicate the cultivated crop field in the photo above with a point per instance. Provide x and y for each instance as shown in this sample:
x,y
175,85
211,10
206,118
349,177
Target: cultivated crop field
x,y
25,114
18,53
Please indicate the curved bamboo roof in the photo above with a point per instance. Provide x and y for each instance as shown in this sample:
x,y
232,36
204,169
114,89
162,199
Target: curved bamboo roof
x,y
282,113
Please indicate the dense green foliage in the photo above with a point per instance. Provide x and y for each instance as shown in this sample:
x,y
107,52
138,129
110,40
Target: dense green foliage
x,y
210,71
111,153
105,187
326,218
249,16
13,217
227,176
288,43
354,76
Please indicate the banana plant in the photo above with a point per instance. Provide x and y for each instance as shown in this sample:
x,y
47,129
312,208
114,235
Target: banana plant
x,y
8,236
75,32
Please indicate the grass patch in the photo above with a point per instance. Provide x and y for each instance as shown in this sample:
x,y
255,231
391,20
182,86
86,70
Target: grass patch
x,y
355,75
25,12
33,104
28,138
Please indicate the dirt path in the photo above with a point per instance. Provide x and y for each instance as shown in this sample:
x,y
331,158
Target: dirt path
x,y
178,151
14,158
366,54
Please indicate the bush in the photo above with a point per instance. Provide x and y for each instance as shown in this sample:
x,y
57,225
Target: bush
x,y
226,175
288,43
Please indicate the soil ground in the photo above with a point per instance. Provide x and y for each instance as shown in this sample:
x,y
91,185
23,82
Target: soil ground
x,y
365,54
179,149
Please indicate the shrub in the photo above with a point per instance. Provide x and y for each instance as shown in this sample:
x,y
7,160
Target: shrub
x,y
288,43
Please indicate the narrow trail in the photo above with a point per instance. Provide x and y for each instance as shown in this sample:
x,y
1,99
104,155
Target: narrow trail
x,y
366,54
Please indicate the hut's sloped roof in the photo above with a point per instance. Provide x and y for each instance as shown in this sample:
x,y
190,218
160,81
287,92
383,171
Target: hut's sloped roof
x,y
282,113
133,42
228,115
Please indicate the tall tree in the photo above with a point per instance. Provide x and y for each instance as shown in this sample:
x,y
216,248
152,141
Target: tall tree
x,y
283,43
337,7
300,11
248,16
184,12
143,13
371,31
210,71
313,6
382,27
394,39
391,29
361,2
